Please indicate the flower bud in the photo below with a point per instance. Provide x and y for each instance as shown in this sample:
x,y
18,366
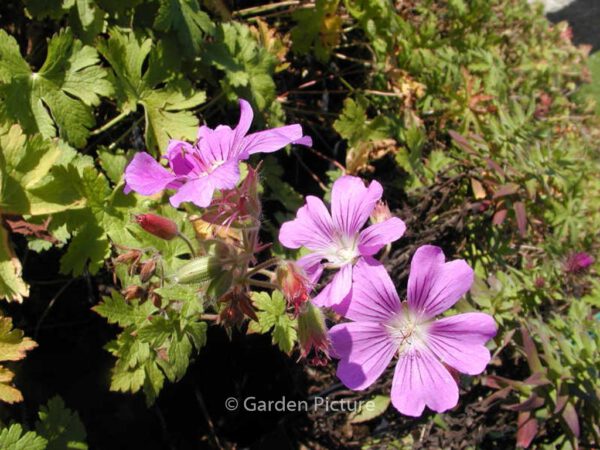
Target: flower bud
x,y
237,305
539,282
147,270
250,197
578,262
312,335
293,283
131,256
158,226
381,212
132,292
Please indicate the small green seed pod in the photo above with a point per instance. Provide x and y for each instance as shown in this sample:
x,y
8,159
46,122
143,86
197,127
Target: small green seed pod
x,y
198,270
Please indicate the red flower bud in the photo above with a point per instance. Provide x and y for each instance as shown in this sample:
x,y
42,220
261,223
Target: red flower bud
x,y
158,226
539,282
293,283
312,335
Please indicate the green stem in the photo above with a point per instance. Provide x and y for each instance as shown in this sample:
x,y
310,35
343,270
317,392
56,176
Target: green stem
x,y
110,123
264,8
267,273
185,239
125,133
262,265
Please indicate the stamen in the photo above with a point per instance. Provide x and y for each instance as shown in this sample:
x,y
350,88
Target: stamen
x,y
406,330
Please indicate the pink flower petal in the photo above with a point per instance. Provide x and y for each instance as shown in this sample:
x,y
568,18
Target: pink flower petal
x,y
304,140
459,341
373,238
421,380
365,350
337,290
352,203
199,191
225,176
203,131
269,141
433,285
243,126
217,146
374,297
312,227
145,176
178,155
312,266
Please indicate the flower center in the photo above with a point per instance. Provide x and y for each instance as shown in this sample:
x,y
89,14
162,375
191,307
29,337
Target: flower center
x,y
217,164
344,252
406,330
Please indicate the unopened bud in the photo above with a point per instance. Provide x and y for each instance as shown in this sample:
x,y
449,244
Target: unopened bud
x,y
158,226
132,292
293,283
312,335
155,299
147,270
236,307
249,189
381,212
128,257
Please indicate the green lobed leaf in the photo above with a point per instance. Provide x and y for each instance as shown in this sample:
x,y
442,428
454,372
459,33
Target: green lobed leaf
x,y
272,316
115,309
247,68
61,427
167,109
57,99
14,438
186,19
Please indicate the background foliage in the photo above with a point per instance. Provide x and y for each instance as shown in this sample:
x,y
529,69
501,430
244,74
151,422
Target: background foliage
x,y
477,116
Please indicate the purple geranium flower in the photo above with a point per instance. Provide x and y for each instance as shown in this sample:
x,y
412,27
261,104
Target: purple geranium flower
x,y
337,237
383,327
212,163
578,262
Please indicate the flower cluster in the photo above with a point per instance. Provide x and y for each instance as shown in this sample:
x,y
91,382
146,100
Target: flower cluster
x,y
340,241
381,325
212,163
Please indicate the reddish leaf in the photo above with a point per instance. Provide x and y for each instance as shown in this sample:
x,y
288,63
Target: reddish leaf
x,y
537,379
19,225
498,395
561,401
533,359
521,214
532,403
499,216
462,142
527,429
570,416
497,382
506,189
493,165
478,189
